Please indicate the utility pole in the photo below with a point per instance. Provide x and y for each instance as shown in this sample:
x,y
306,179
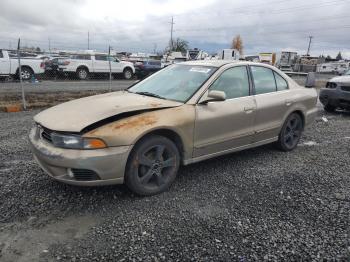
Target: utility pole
x,y
171,32
88,40
49,45
308,49
10,45
154,48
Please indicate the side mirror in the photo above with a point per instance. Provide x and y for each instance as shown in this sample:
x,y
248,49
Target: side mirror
x,y
310,80
212,96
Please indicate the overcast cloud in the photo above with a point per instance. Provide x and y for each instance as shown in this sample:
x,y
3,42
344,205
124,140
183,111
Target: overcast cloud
x,y
265,26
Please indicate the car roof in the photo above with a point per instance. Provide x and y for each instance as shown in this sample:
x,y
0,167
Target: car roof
x,y
219,63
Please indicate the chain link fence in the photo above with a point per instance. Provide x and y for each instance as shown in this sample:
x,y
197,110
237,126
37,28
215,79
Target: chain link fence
x,y
31,78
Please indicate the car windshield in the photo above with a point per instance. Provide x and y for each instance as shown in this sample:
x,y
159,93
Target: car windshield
x,y
176,82
347,72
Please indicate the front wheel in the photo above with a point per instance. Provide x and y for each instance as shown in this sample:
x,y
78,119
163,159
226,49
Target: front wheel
x,y
152,166
128,73
290,133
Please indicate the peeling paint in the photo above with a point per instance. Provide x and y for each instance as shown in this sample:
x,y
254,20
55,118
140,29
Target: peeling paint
x,y
143,120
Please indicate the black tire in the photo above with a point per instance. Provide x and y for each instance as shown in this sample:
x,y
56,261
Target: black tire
x,y
128,73
290,133
152,165
329,108
26,72
82,73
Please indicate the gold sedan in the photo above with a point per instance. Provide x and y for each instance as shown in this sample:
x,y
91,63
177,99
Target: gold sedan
x,y
183,114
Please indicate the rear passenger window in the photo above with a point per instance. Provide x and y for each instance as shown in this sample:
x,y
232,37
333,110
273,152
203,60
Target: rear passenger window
x,y
234,82
101,57
280,82
264,80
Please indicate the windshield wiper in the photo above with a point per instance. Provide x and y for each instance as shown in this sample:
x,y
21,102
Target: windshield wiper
x,y
150,94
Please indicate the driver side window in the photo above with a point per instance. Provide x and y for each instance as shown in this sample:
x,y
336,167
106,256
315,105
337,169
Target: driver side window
x,y
234,82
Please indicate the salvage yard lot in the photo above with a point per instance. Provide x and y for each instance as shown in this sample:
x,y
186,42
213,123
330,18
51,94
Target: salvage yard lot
x,y
252,205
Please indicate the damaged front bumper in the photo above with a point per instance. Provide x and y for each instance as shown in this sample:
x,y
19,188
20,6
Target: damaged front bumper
x,y
80,167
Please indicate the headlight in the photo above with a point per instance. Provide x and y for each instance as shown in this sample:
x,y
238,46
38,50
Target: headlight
x,y
76,142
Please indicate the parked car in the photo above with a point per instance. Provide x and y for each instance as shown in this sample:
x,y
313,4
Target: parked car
x,y
183,114
147,67
9,66
52,65
83,65
336,94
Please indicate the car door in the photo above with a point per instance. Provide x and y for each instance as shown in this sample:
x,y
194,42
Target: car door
x,y
228,124
116,65
4,64
273,99
101,64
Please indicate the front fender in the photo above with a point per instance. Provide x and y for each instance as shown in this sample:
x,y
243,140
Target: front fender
x,y
129,130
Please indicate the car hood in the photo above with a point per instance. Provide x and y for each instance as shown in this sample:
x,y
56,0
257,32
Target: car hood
x,y
341,79
75,115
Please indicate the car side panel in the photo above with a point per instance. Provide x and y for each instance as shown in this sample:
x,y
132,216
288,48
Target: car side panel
x,y
274,108
271,110
223,125
129,130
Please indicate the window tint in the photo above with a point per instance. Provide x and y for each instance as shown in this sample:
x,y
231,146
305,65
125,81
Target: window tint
x,y
280,82
82,57
234,82
264,80
1,55
101,57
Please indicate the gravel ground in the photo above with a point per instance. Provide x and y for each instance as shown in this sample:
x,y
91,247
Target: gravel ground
x,y
259,204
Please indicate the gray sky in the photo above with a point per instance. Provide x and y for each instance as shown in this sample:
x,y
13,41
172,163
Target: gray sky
x,y
265,26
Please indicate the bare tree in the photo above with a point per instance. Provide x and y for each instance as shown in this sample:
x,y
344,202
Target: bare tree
x,y
237,43
180,45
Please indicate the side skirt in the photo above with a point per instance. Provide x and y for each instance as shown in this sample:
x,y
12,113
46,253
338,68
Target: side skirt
x,y
228,151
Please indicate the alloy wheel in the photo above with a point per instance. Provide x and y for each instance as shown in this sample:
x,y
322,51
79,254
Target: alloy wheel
x,y
155,165
292,131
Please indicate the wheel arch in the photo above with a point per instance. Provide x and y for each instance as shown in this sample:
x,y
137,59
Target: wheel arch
x,y
167,133
128,67
301,114
82,67
24,66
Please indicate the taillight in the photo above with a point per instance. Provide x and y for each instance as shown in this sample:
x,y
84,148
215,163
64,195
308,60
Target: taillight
x,y
66,63
42,65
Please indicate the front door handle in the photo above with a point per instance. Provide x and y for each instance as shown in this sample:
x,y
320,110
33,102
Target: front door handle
x,y
248,109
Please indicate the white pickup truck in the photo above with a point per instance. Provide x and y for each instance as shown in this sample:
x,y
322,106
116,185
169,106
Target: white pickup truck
x,y
29,67
92,63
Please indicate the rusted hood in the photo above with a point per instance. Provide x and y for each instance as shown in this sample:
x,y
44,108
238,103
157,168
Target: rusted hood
x,y
74,116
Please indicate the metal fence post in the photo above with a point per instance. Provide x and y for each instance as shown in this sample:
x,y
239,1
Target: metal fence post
x,y
20,73
110,69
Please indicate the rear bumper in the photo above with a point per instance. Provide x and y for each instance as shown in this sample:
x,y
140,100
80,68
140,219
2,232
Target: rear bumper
x,y
335,97
109,163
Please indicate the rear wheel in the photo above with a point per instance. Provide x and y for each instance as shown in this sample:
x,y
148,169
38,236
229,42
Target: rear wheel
x,y
291,132
82,73
152,165
26,73
128,74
